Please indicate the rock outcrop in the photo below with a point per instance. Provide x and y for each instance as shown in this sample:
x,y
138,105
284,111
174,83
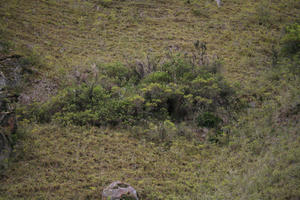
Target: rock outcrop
x,y
119,191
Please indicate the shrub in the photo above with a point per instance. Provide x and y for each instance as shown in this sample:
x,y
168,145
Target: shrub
x,y
158,77
118,73
4,46
178,69
208,120
176,91
291,40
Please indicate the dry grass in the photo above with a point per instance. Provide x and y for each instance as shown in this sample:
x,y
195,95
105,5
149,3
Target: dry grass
x,y
77,163
75,33
53,162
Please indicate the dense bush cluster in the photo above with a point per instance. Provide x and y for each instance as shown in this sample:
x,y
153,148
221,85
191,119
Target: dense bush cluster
x,y
175,90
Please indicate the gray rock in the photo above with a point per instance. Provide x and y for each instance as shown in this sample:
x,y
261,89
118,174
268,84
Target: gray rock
x,y
119,191
218,3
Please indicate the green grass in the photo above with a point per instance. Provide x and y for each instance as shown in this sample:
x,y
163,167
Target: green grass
x,y
258,153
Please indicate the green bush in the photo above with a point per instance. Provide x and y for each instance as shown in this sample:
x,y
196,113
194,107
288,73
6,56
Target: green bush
x,y
4,46
179,69
178,91
291,40
118,73
158,77
208,120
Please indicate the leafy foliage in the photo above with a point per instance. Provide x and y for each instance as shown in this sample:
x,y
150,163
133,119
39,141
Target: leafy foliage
x,y
177,90
208,120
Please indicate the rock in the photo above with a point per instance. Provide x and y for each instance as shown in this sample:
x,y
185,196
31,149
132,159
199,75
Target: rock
x,y
11,71
119,191
218,3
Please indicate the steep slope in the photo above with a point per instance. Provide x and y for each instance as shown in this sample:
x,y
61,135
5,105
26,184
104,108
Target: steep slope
x,y
257,153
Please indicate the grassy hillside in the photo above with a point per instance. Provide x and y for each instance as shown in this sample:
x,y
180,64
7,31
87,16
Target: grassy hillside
x,y
68,149
71,33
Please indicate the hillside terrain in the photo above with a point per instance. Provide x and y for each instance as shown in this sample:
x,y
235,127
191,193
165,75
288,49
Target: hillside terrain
x,y
181,99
